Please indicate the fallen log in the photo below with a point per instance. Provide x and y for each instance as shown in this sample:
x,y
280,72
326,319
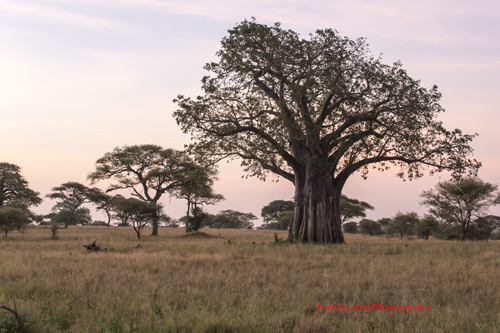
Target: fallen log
x,y
92,247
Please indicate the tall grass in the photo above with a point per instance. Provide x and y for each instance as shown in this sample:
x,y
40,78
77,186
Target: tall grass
x,y
242,281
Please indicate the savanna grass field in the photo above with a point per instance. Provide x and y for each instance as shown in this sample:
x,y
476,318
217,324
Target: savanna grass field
x,y
243,281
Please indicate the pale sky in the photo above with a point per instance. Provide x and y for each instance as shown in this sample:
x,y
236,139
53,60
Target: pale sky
x,y
80,77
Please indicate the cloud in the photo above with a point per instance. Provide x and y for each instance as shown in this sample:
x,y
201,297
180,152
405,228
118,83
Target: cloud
x,y
64,17
438,23
462,66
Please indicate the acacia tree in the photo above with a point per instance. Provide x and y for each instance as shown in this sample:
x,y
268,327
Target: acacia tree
x,y
483,227
12,218
118,201
314,112
81,216
349,209
352,208
370,227
197,190
231,219
71,196
105,202
271,214
350,227
13,187
149,171
385,223
461,202
402,222
426,226
138,212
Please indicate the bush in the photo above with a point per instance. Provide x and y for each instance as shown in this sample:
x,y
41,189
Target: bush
x,y
370,227
426,226
350,228
99,224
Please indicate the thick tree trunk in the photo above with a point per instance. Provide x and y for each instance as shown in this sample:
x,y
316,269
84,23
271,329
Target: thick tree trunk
x,y
317,209
155,226
464,233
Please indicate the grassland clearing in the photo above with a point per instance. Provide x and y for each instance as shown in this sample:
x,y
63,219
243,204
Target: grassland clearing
x,y
241,281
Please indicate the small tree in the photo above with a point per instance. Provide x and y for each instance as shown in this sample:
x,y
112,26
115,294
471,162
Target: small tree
x,y
350,227
426,226
385,223
271,212
404,222
369,227
118,201
142,214
461,202
38,218
171,223
104,202
54,227
197,190
12,218
99,223
197,220
282,223
81,216
71,196
231,219
285,219
483,227
139,213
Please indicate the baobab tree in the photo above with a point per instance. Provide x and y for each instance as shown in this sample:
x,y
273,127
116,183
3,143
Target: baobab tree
x,y
315,111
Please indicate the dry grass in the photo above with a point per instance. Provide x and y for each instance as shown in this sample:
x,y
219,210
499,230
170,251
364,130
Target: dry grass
x,y
239,281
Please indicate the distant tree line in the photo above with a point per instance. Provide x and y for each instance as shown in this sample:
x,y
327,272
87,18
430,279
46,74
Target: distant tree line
x,y
226,219
278,214
146,171
458,209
